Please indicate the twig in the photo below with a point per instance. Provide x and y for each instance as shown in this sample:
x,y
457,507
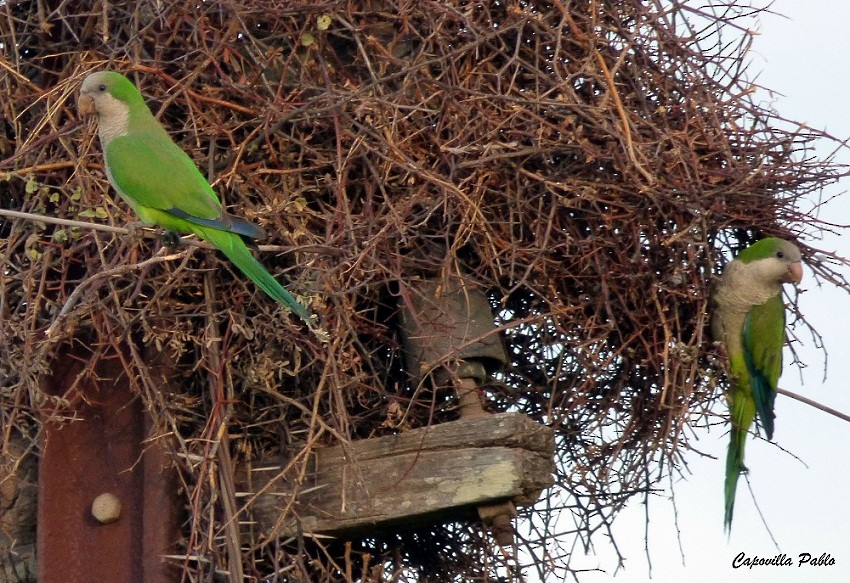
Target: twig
x,y
49,167
814,404
183,240
221,397
103,275
64,222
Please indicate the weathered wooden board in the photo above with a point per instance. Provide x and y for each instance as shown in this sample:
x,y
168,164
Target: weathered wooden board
x,y
435,474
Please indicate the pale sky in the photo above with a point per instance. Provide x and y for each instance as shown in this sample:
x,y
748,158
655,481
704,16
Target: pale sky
x,y
805,59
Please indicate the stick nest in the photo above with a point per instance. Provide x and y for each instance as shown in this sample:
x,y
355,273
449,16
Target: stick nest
x,y
587,164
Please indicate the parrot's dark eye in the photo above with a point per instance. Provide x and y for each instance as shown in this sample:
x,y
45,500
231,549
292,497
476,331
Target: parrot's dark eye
x,y
780,254
101,87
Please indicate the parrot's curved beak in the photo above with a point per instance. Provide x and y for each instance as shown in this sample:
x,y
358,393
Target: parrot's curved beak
x,y
794,274
85,105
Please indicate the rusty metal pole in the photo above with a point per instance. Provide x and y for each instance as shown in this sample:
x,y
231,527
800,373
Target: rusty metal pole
x,y
102,455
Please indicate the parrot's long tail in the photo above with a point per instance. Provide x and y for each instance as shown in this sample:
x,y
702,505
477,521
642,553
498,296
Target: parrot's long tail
x,y
235,249
734,468
742,411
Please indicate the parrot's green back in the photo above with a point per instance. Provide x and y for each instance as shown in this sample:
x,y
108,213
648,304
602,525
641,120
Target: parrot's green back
x,y
156,175
755,374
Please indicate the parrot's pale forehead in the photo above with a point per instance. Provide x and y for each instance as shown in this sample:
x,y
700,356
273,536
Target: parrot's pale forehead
x,y
789,250
99,78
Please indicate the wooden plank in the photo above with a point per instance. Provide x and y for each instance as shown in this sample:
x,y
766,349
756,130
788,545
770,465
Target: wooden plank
x,y
435,474
503,429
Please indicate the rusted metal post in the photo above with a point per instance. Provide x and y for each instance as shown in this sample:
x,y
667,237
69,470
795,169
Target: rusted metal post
x,y
103,451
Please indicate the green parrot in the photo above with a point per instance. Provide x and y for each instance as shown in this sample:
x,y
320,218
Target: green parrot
x,y
749,318
162,184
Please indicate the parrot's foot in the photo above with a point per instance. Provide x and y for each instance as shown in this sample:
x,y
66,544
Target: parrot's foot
x,y
251,243
170,239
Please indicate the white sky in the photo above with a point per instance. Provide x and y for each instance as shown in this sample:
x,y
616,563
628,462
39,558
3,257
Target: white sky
x,y
805,59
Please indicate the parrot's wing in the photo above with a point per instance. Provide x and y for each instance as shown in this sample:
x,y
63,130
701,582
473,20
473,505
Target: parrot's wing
x,y
157,174
764,337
